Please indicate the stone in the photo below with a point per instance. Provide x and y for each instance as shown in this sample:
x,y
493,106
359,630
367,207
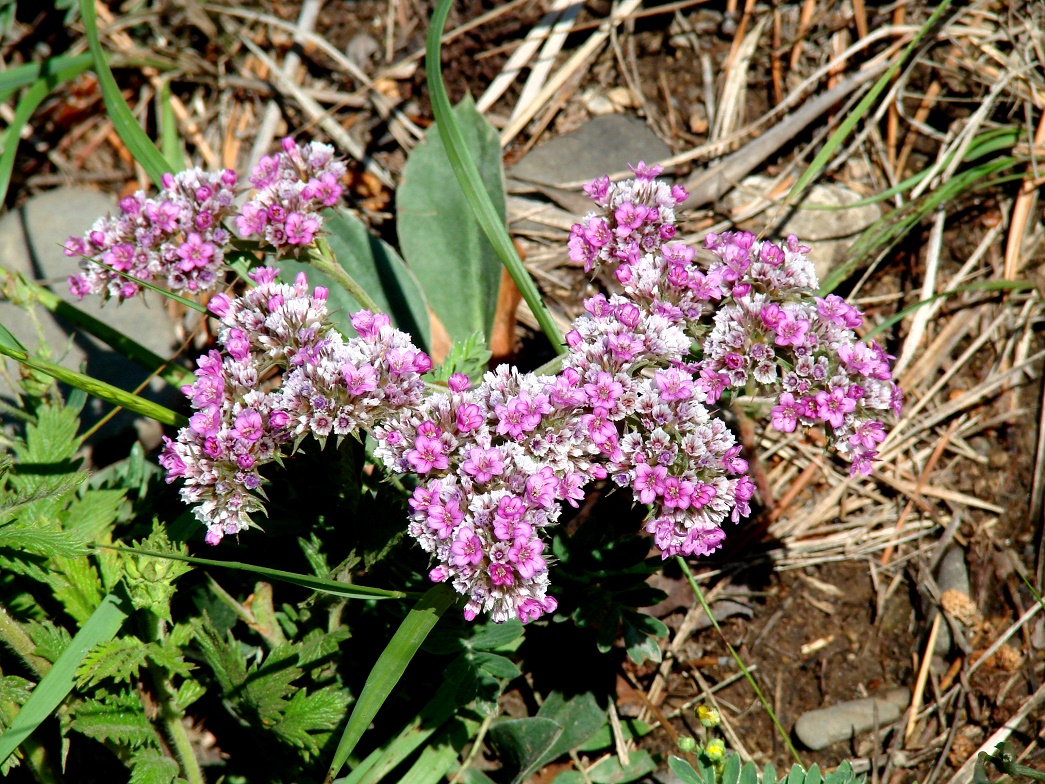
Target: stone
x,y
830,233
820,728
602,145
951,575
31,243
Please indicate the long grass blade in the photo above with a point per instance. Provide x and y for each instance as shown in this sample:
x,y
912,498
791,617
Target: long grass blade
x,y
116,340
10,347
861,110
51,74
14,79
389,669
55,686
471,182
344,590
123,120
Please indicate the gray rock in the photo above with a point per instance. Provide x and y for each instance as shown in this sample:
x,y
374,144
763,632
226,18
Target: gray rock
x,y
602,145
31,242
820,728
830,232
951,575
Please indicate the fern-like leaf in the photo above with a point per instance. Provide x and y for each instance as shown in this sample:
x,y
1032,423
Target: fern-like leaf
x,y
119,718
151,766
50,640
308,719
118,660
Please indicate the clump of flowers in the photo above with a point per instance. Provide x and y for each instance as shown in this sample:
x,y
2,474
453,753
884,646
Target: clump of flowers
x,y
179,238
633,402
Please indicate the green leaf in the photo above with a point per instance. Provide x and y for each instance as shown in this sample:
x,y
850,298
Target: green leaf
x,y
26,74
496,665
731,770
560,725
378,270
50,640
118,659
390,667
797,775
611,771
307,715
123,120
442,240
769,774
603,739
473,183
813,775
686,772
53,688
469,356
749,774
152,766
438,758
119,718
94,514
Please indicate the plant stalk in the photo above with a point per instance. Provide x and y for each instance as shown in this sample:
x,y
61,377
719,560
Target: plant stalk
x,y
170,715
736,657
12,633
323,260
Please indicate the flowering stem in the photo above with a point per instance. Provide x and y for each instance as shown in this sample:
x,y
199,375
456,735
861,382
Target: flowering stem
x,y
736,657
170,714
323,260
471,182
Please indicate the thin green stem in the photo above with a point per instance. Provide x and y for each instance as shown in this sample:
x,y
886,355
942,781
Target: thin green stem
x,y
471,181
12,633
736,657
170,714
323,260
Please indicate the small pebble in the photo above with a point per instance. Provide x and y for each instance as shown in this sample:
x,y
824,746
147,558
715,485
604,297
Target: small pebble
x,y
820,728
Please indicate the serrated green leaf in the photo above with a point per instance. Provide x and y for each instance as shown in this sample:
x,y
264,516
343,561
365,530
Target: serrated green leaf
x,y
76,584
50,640
119,718
92,515
686,772
118,659
441,239
731,769
379,271
53,688
307,716
188,693
14,691
169,656
319,644
469,356
152,766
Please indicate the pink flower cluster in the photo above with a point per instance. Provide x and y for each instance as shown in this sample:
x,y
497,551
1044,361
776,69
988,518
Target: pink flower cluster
x,y
179,238
495,462
292,187
330,385
770,334
774,334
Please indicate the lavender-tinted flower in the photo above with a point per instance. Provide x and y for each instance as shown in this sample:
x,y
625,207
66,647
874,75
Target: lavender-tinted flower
x,y
292,187
330,386
176,238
